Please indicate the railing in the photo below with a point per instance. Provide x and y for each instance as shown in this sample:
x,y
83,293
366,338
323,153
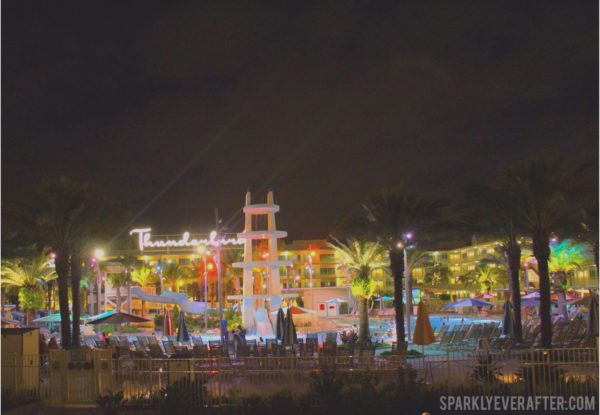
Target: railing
x,y
25,377
226,380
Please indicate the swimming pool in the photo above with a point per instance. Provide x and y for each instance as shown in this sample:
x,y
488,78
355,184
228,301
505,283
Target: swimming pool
x,y
436,322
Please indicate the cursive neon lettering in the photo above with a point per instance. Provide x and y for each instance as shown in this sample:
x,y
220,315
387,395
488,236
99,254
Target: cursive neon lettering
x,y
144,238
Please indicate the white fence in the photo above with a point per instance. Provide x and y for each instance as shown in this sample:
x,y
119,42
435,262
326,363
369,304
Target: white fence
x,y
225,380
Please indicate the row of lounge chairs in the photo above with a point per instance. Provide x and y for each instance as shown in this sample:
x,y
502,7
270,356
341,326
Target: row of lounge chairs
x,y
565,334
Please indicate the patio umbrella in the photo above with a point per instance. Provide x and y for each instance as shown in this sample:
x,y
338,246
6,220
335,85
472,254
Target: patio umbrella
x,y
168,325
115,317
289,336
585,301
593,317
507,319
10,322
469,302
54,318
423,334
296,310
485,296
568,297
535,294
280,325
530,302
182,330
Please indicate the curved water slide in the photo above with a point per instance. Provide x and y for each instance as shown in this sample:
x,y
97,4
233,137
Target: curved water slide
x,y
262,323
180,299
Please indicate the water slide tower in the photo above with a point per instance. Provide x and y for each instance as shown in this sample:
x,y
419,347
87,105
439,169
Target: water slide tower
x,y
256,307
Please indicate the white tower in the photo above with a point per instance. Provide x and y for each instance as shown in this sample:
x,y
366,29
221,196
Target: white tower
x,y
270,263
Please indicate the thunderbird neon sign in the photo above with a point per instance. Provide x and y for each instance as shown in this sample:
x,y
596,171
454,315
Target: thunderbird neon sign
x,y
145,240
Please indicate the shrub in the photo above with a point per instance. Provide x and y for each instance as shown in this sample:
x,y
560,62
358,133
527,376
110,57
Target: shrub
x,y
111,403
181,397
349,337
485,371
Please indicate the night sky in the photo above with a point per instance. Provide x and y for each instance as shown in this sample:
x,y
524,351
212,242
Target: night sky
x,y
197,102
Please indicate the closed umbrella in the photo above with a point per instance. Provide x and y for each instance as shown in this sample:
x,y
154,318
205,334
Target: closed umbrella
x,y
423,334
280,324
508,326
593,317
168,326
289,336
182,330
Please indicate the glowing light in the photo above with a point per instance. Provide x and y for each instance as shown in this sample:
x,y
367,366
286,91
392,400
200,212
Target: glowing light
x,y
400,245
145,240
201,249
99,253
408,235
210,266
312,253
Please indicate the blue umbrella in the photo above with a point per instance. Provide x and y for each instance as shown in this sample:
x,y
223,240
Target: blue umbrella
x,y
469,302
182,330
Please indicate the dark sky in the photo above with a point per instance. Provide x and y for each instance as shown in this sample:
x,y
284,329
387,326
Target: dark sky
x,y
321,103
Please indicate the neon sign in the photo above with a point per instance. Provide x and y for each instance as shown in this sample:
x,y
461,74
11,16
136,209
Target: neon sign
x,y
145,240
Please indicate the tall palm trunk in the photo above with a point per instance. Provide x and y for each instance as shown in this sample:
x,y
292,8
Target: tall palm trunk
x,y
541,251
49,287
513,254
62,270
397,267
596,256
363,326
75,291
129,297
118,292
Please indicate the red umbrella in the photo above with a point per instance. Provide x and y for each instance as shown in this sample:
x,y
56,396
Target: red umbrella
x,y
168,329
569,297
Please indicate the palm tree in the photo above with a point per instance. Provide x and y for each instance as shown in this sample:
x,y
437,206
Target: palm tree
x,y
588,222
542,191
30,279
66,218
118,280
143,276
393,215
360,258
566,257
87,283
176,276
490,211
489,276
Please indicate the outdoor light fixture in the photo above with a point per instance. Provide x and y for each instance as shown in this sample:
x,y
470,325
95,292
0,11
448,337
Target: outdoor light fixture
x,y
99,253
408,235
400,245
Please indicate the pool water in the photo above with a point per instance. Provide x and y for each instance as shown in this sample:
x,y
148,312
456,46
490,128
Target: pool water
x,y
377,325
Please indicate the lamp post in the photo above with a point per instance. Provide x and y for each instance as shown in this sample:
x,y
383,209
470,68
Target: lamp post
x,y
202,252
219,285
408,284
98,255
